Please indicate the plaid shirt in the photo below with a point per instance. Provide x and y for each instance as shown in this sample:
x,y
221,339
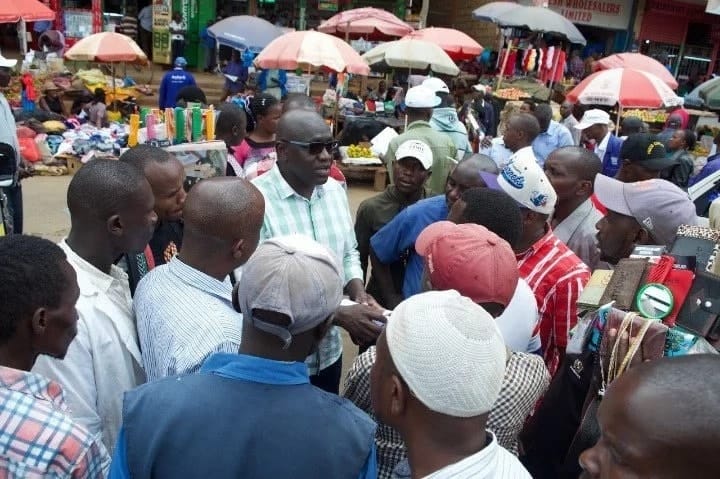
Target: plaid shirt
x,y
557,277
37,436
326,218
526,379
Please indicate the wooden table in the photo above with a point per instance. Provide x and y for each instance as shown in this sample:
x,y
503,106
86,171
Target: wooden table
x,y
377,173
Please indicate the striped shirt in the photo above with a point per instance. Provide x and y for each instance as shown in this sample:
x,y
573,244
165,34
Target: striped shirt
x,y
39,439
557,277
491,462
326,218
184,316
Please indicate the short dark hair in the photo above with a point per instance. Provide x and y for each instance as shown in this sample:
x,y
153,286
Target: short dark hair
x,y
690,139
446,100
528,124
531,104
101,188
494,210
544,113
258,106
31,278
141,156
230,115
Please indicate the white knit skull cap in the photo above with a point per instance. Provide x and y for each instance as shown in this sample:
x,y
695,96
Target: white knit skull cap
x,y
449,352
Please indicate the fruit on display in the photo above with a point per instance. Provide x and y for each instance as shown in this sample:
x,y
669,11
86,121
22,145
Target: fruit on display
x,y
648,116
357,151
700,150
511,94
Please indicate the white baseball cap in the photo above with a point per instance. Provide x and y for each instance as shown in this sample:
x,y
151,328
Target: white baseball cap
x,y
436,85
421,97
525,181
479,87
415,149
449,352
593,117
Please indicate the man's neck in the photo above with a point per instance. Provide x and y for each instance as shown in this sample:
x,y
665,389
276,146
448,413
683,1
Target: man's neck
x,y
533,235
301,189
566,208
520,148
409,198
98,253
201,259
427,454
14,356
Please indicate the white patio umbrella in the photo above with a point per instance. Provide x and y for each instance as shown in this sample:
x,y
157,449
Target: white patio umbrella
x,y
411,54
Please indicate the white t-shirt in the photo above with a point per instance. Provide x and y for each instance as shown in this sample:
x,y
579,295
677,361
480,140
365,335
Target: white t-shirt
x,y
519,320
492,462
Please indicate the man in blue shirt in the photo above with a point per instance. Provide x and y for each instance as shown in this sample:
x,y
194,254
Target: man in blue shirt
x,y
174,81
395,242
255,414
552,135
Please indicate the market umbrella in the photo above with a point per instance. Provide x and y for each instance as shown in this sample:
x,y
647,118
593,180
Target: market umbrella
x,y
244,32
12,11
706,94
107,47
370,23
414,55
637,61
536,19
626,87
309,48
458,45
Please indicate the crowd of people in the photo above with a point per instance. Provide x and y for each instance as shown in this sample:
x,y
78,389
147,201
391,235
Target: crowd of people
x,y
199,333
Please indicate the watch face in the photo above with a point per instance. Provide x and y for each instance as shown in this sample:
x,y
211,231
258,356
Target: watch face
x,y
655,301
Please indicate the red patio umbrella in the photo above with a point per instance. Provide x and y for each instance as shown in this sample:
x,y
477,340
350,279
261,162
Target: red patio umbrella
x,y
12,11
626,87
458,45
637,61
370,23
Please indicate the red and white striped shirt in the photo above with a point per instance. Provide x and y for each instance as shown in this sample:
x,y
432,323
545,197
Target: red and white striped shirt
x,y
557,277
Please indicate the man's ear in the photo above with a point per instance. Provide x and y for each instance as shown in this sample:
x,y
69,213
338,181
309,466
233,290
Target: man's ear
x,y
238,248
642,236
114,225
399,395
39,321
585,188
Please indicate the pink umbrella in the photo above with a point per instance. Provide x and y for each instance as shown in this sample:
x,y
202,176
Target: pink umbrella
x,y
458,45
637,61
12,11
309,48
371,23
626,87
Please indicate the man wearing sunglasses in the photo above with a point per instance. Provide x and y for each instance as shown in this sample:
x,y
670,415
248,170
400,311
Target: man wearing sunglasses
x,y
301,199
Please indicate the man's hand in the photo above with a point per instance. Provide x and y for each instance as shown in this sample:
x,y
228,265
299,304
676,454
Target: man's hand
x,y
486,141
358,321
356,292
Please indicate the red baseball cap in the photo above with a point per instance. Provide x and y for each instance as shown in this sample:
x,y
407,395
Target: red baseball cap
x,y
471,259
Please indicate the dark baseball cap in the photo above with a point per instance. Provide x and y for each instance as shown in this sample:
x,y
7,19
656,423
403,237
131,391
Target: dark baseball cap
x,y
644,149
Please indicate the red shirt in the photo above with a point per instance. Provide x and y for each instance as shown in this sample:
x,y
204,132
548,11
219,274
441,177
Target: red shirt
x,y
684,117
557,277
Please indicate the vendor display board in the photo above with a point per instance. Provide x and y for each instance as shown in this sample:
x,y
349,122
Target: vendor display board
x,y
201,160
162,13
77,22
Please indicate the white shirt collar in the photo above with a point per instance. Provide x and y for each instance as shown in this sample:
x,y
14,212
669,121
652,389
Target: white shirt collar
x,y
484,460
602,146
89,275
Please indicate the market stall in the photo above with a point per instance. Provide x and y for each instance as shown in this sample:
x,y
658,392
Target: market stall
x,y
22,12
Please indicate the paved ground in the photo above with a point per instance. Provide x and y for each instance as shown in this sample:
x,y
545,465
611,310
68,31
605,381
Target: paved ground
x,y
46,215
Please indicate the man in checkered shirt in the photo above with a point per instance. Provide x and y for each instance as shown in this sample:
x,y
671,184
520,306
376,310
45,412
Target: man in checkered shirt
x,y
453,254
39,439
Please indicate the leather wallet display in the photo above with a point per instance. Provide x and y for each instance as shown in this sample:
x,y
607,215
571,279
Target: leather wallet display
x,y
624,283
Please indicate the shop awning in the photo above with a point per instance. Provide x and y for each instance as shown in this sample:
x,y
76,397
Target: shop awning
x,y
12,11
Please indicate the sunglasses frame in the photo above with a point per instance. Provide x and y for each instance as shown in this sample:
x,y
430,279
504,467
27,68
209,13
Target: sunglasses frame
x,y
329,146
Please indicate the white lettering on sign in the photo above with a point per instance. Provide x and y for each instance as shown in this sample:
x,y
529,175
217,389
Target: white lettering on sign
x,y
615,15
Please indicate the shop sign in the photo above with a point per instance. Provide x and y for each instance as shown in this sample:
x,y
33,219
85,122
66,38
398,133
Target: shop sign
x,y
614,15
678,9
328,5
162,14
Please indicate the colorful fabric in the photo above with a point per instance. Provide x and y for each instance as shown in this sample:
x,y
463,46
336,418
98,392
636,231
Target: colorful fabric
x,y
557,277
39,439
251,159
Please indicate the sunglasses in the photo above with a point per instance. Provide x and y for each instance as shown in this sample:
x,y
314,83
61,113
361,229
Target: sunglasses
x,y
315,147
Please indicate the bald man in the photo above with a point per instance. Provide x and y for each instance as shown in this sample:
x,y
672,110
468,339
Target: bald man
x,y
301,198
111,214
184,307
571,171
683,391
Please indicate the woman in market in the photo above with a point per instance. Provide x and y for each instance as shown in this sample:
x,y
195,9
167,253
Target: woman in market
x,y
51,101
256,154
97,111
680,145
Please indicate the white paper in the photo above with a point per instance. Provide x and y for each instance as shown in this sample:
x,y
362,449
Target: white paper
x,y
381,142
232,78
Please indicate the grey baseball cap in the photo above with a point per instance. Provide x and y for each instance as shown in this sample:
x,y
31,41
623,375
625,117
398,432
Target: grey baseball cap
x,y
292,275
658,205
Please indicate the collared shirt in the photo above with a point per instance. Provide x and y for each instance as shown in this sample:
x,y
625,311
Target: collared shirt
x,y
372,214
556,136
442,146
525,381
570,123
557,277
326,218
8,130
498,152
601,148
578,232
104,360
184,316
177,26
39,439
396,240
242,367
145,16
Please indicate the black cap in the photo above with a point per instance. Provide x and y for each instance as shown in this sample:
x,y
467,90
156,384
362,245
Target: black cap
x,y
632,122
644,149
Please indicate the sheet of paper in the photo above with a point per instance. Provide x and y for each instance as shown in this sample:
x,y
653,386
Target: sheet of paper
x,y
381,142
232,78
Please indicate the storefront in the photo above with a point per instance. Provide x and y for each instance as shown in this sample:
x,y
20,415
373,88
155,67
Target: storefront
x,y
683,36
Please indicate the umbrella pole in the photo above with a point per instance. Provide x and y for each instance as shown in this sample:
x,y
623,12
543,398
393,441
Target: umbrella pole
x,y
114,86
504,64
619,117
